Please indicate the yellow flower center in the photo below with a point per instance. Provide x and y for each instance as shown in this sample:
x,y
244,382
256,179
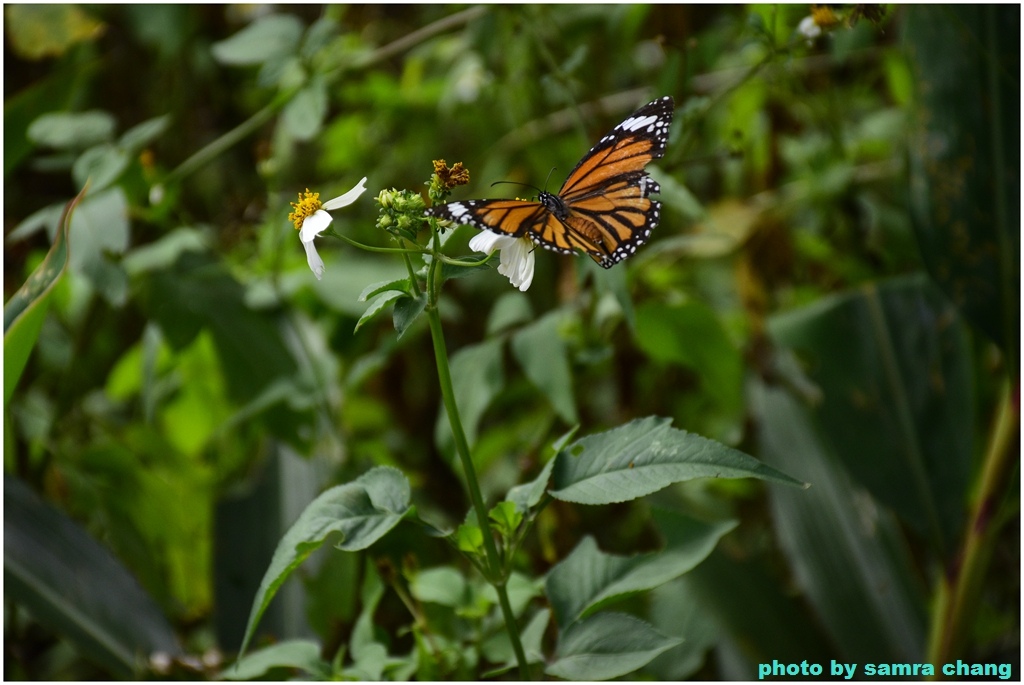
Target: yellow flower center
x,y
307,206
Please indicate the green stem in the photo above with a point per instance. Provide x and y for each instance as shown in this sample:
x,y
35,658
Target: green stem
x,y
496,574
957,598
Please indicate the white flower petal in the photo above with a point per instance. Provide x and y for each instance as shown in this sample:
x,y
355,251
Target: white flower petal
x,y
348,198
517,262
488,242
313,259
809,28
312,226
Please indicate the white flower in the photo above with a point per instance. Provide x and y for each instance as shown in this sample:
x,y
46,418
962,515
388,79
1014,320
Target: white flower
x,y
311,220
516,256
809,28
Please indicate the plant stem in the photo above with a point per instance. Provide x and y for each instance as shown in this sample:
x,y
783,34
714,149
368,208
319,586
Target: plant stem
x,y
957,599
496,575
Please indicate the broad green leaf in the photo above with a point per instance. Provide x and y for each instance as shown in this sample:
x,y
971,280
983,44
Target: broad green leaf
x,y
407,310
100,231
541,353
894,368
443,585
303,116
75,587
644,456
340,288
508,310
527,495
847,553
362,511
25,312
477,377
588,579
297,654
100,166
273,36
377,306
606,646
964,159
72,130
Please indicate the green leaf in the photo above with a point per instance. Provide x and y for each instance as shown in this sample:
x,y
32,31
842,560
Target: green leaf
x,y
644,456
477,378
140,135
504,514
99,166
527,495
508,310
303,116
68,130
268,37
847,553
541,353
75,587
443,585
399,284
99,231
589,579
964,160
377,306
894,368
407,310
605,646
25,312
362,512
301,654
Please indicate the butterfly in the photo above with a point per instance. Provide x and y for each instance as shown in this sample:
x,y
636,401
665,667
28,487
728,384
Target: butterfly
x,y
603,207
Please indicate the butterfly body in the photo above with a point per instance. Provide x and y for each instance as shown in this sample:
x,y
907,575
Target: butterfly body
x,y
603,208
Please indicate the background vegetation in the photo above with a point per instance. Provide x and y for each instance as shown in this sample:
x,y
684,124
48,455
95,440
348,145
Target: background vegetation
x,y
833,288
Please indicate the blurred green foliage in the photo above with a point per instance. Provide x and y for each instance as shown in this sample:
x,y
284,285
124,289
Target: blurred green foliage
x,y
834,288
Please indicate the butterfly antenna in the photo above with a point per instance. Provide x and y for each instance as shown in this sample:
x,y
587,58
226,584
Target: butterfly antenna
x,y
517,183
549,176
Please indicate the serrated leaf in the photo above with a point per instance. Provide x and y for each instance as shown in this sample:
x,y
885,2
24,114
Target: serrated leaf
x,y
644,456
377,306
268,37
606,646
588,578
301,654
362,512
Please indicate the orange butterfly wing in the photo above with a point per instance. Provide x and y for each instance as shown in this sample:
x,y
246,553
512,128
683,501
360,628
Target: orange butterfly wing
x,y
603,207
